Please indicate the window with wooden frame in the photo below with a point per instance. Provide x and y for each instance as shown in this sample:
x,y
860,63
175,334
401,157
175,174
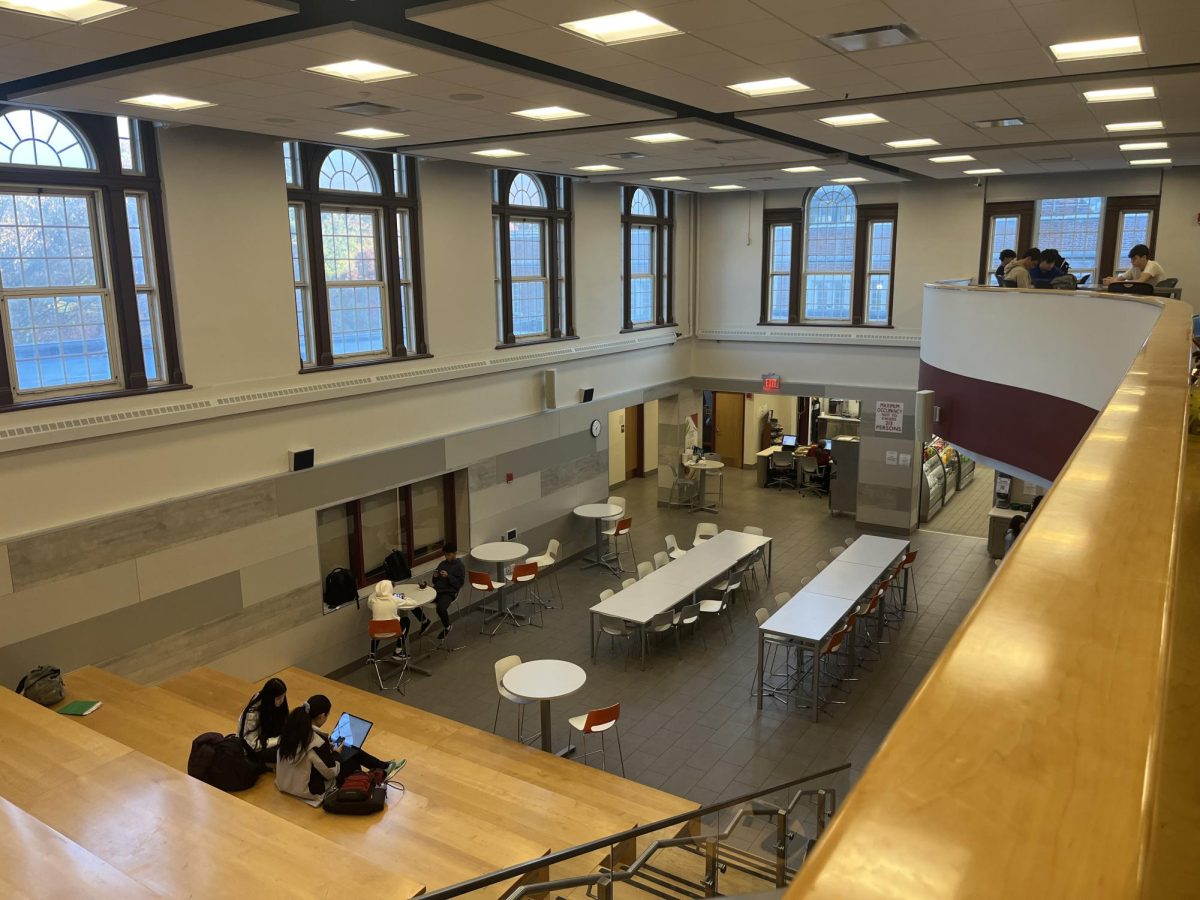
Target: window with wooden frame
x,y
648,227
531,218
352,215
830,263
1128,221
416,519
86,307
1006,226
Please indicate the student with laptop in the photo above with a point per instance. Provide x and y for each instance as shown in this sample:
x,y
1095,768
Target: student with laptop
x,y
261,722
311,763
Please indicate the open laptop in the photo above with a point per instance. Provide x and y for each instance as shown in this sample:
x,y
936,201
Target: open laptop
x,y
789,442
353,729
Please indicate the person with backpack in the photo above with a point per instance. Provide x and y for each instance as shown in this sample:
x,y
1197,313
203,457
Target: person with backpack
x,y
385,607
309,764
261,722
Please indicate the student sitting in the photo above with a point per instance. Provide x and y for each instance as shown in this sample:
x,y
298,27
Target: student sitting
x,y
384,606
1141,268
1015,524
1048,268
1006,256
1017,271
261,722
309,765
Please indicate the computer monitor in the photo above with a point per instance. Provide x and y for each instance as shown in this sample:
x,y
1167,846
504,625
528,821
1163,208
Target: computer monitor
x,y
352,729
827,444
789,442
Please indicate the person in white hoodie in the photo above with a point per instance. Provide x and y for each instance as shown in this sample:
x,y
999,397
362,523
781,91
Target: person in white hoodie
x,y
309,765
384,606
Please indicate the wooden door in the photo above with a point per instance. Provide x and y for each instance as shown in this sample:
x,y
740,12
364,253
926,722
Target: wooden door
x,y
633,442
729,411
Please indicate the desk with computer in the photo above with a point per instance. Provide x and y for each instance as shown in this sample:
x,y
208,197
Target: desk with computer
x,y
794,465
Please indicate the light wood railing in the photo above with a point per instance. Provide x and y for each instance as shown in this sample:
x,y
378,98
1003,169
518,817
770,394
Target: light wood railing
x,y
1027,763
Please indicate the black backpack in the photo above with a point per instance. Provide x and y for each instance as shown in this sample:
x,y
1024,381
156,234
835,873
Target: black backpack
x,y
340,588
360,795
43,685
397,567
220,760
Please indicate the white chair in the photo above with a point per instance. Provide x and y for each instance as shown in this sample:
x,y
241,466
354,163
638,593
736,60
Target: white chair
x,y
502,668
628,582
837,551
526,575
673,548
805,580
689,615
661,623
615,628
606,593
849,541
772,645
759,556
661,559
682,483
782,598
704,531
716,607
599,721
617,501
617,529
644,569
547,566
753,529
732,582
821,564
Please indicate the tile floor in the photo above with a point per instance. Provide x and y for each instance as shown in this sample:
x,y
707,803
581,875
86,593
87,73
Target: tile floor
x,y
688,723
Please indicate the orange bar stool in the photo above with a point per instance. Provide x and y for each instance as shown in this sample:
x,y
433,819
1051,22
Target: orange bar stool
x,y
600,721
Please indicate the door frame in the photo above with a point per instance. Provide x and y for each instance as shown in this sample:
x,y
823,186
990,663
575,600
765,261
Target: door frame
x,y
741,431
639,418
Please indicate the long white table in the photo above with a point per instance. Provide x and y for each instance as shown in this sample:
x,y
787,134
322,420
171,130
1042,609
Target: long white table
x,y
678,580
813,613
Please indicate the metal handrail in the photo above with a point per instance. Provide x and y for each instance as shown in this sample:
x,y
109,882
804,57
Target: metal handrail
x,y
550,859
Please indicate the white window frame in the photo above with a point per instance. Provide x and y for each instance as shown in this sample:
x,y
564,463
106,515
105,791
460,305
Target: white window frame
x,y
549,294
150,287
805,272
297,210
773,273
653,277
376,213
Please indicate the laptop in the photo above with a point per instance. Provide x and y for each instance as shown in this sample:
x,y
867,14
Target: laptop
x,y
789,442
353,729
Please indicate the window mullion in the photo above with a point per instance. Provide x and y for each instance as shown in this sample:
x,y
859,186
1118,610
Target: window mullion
x,y
627,275
390,235
122,287
7,378
552,298
506,280
322,340
795,292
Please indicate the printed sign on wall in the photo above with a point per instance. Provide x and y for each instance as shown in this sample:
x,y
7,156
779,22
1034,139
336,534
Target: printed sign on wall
x,y
889,417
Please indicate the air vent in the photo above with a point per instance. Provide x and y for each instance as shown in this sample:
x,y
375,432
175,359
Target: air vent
x,y
877,38
1007,122
292,391
109,418
628,154
366,108
720,142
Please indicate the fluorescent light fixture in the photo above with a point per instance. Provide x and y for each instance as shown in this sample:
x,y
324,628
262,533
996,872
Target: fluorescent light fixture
x,y
361,70
727,187
1101,49
982,171
958,157
1150,162
372,134
620,28
852,180
1114,94
669,178
854,119
498,153
167,101
550,113
769,87
913,143
78,11
598,167
799,170
1133,126
1144,145
665,137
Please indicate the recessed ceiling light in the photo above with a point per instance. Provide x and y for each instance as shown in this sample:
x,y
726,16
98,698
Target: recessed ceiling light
x,y
727,187
498,153
853,119
78,11
1006,122
853,180
1114,94
665,137
167,101
1144,145
1102,49
912,143
982,171
958,157
796,170
361,70
372,134
769,87
669,178
598,167
1134,126
550,113
620,28
1150,162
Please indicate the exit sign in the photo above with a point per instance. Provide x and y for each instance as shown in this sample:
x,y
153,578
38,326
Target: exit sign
x,y
771,384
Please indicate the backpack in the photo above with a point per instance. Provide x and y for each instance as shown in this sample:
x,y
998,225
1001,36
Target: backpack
x,y
359,795
1131,287
397,567
1064,283
220,760
340,588
43,685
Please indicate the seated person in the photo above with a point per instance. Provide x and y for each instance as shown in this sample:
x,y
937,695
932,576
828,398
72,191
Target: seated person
x,y
1141,268
1015,524
261,722
384,604
309,765
1017,271
1006,256
1048,268
447,581
824,459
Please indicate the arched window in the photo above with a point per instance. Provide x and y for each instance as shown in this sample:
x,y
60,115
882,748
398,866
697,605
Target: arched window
x,y
643,203
346,170
31,137
526,191
648,224
829,252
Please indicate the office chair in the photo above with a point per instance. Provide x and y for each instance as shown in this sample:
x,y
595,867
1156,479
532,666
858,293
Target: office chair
x,y
781,470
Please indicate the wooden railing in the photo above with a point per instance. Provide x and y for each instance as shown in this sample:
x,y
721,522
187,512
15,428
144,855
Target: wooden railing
x,y
1026,764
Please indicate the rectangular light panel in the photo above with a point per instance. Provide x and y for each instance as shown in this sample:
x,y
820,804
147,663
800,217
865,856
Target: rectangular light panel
x,y
550,113
983,171
598,167
1144,145
78,11
669,178
958,157
1150,162
372,134
769,87
1101,49
1134,126
665,137
913,143
798,170
727,187
167,101
854,119
853,180
620,28
498,153
361,70
1113,95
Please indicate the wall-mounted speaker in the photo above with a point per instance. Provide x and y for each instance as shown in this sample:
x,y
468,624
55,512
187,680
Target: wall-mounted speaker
x,y
588,394
550,384
301,459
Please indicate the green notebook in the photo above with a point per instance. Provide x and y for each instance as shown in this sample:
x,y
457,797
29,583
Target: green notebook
x,y
80,708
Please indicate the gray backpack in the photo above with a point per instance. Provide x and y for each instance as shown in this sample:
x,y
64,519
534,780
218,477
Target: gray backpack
x,y
43,685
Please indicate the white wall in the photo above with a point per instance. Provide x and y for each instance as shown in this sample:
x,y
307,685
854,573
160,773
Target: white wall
x,y
1178,245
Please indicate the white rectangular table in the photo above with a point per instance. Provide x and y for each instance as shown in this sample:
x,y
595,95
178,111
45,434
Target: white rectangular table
x,y
665,588
870,550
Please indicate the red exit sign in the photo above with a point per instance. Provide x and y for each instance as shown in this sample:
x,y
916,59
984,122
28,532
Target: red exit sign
x,y
771,384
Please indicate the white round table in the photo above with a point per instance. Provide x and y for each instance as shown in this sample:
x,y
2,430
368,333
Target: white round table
x,y
598,512
500,552
415,596
704,466
545,680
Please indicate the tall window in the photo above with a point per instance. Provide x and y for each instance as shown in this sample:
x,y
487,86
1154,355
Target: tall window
x,y
354,212
831,262
1006,226
648,221
84,296
1072,227
1128,221
531,216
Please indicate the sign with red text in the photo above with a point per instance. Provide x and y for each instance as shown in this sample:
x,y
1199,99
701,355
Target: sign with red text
x,y
771,383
